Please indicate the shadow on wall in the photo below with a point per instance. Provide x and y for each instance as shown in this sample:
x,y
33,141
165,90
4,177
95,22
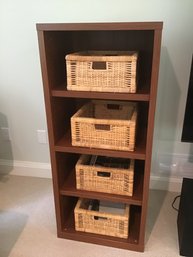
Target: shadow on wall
x,y
189,171
166,119
11,224
154,206
6,156
164,136
191,152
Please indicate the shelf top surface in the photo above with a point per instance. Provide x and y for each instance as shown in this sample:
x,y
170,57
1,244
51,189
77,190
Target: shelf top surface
x,y
157,25
141,95
64,145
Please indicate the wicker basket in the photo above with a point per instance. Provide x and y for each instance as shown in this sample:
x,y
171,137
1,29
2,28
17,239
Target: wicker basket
x,y
110,71
107,125
105,174
89,218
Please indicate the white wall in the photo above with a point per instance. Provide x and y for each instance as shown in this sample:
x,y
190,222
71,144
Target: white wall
x,y
21,94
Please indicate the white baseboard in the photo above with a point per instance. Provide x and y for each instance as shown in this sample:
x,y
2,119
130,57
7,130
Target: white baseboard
x,y
29,169
43,170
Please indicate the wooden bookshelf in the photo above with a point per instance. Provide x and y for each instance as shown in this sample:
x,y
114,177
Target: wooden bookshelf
x,y
55,42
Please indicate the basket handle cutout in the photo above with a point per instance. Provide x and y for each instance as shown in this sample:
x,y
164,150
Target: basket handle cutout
x,y
99,66
102,127
103,174
114,106
100,218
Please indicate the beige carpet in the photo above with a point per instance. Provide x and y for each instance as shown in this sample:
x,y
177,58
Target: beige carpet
x,y
28,229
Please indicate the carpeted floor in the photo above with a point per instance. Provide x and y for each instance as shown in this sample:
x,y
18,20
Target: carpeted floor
x,y
28,229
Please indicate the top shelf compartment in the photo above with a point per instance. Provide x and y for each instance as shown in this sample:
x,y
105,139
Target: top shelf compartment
x,y
60,43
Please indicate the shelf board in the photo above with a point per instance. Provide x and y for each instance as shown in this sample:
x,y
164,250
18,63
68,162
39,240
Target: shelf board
x,y
100,26
141,95
64,145
69,188
131,243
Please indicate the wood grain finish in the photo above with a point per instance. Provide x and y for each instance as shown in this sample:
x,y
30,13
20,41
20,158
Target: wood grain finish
x,y
100,26
141,95
58,40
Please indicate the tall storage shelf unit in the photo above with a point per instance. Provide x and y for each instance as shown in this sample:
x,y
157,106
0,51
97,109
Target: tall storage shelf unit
x,y
55,42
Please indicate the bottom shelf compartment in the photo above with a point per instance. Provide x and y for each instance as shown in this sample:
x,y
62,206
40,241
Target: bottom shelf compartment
x,y
131,243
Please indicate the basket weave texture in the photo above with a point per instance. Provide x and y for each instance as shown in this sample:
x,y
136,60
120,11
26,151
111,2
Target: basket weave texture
x,y
104,223
110,71
105,174
107,125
